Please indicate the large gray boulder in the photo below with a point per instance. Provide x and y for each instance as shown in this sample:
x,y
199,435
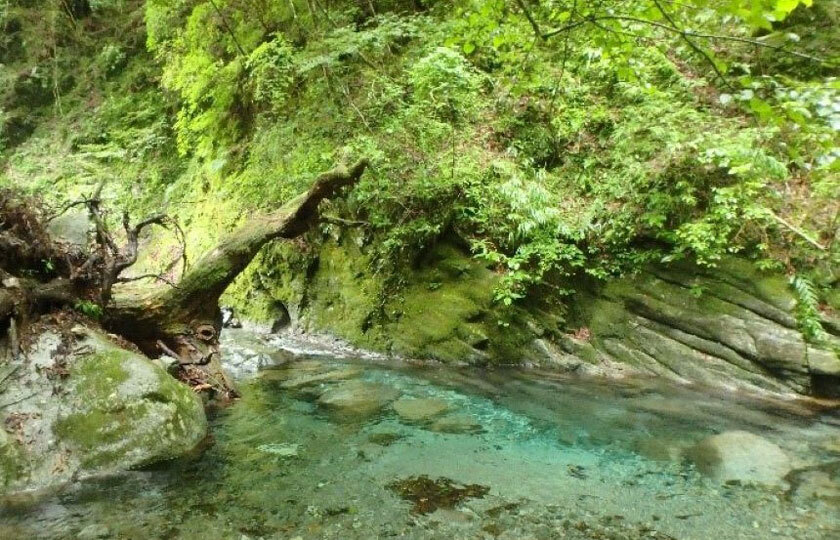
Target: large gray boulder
x,y
732,326
80,404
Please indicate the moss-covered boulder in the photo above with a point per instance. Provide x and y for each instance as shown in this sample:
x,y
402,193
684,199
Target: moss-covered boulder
x,y
125,411
83,404
357,399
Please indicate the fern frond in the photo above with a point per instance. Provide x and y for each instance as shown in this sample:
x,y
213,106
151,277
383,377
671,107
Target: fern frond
x,y
807,307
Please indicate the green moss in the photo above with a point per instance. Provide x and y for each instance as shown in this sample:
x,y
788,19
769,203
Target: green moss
x,y
443,310
12,463
342,294
99,374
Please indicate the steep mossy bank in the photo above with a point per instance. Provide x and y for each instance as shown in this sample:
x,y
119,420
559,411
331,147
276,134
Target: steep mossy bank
x,y
732,326
442,308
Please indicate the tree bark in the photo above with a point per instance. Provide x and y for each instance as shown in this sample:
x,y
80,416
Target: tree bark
x,y
185,319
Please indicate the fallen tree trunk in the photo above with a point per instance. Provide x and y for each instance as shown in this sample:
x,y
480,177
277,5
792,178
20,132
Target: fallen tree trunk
x,y
184,320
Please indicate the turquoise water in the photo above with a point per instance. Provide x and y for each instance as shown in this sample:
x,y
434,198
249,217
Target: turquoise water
x,y
555,458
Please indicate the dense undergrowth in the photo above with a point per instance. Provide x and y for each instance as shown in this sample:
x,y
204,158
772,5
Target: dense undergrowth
x,y
595,151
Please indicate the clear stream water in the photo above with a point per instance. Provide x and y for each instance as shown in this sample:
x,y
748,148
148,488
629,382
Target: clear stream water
x,y
556,458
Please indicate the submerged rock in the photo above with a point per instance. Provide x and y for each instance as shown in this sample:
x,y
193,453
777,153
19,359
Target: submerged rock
x,y
294,369
385,438
280,449
660,449
820,482
418,410
308,379
742,457
456,424
357,398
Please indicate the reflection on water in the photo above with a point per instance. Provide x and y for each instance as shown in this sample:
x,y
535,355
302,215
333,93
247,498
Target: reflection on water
x,y
332,449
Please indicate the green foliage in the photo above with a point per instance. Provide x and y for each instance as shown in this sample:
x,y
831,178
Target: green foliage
x,y
111,59
522,230
2,131
103,5
271,72
445,83
90,309
807,307
209,87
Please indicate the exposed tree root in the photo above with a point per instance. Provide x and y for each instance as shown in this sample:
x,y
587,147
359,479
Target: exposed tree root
x,y
181,320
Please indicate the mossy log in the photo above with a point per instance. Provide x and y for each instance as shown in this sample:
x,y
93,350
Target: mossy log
x,y
184,320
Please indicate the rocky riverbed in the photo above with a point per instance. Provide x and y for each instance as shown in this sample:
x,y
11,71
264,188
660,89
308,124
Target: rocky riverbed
x,y
324,445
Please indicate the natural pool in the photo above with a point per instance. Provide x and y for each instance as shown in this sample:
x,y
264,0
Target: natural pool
x,y
332,447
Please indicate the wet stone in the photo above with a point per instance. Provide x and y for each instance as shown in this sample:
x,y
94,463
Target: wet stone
x,y
456,424
418,410
294,369
740,456
94,532
280,449
821,482
357,398
659,449
384,439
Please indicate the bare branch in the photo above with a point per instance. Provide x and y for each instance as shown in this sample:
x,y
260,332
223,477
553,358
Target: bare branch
x,y
340,221
693,45
531,20
672,27
799,232
158,277
167,351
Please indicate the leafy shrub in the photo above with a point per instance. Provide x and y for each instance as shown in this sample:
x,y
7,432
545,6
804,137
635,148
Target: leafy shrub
x,y
90,309
111,59
445,83
271,71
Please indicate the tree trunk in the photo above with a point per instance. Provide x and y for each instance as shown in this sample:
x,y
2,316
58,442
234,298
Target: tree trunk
x,y
185,320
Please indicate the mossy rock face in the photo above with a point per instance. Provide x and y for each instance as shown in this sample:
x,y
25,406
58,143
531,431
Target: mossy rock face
x,y
125,411
444,310
729,326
